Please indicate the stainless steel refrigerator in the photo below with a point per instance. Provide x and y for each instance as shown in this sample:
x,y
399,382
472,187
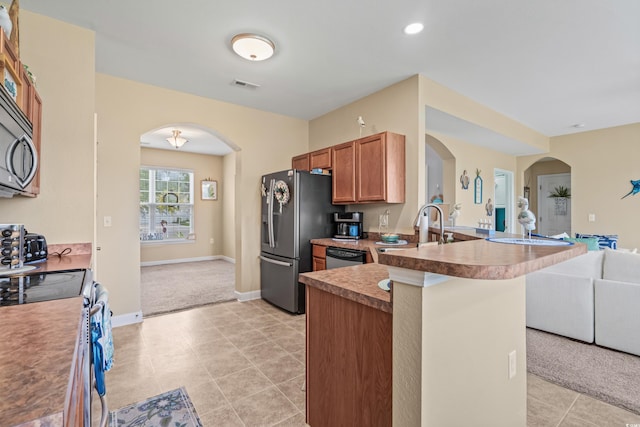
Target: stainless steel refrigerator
x,y
296,207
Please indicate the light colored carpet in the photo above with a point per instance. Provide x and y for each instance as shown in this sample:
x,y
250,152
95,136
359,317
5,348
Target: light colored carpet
x,y
172,287
607,375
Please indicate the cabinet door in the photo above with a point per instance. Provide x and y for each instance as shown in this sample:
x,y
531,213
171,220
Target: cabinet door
x,y
301,162
320,158
344,173
371,169
319,257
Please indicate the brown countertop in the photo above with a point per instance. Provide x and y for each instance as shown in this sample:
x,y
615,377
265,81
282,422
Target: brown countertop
x,y
38,341
358,283
480,259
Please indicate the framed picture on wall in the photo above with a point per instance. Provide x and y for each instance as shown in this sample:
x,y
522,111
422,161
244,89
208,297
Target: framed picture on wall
x,y
527,192
209,189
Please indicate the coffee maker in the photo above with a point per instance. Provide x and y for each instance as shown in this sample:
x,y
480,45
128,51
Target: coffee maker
x,y
348,225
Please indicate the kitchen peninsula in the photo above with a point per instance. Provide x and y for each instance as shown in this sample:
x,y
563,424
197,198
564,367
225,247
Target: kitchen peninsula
x,y
458,333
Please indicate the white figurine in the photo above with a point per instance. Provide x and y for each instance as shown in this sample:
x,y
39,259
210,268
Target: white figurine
x,y
526,217
5,21
455,213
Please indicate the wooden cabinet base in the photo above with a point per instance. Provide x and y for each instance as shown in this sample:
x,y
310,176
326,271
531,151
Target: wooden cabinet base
x,y
348,362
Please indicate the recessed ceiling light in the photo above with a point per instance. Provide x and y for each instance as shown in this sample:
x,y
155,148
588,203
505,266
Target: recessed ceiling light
x,y
578,125
253,47
414,28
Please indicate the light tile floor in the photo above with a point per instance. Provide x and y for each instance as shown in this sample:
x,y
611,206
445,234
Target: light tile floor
x,y
243,365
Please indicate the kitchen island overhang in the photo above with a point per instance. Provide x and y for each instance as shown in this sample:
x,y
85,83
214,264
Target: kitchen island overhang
x,y
459,331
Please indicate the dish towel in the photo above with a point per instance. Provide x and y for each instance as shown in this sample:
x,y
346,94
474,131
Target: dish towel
x,y
101,338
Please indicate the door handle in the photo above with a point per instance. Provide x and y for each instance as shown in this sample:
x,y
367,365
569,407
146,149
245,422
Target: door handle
x,y
275,261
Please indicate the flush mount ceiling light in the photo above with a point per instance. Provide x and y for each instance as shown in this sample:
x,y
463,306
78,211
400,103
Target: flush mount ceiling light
x,y
176,140
414,28
253,47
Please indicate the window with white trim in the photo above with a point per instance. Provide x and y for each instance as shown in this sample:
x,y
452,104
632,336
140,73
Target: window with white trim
x,y
166,204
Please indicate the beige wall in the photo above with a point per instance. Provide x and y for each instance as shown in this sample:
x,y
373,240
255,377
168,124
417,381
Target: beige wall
x,y
228,191
127,109
602,164
208,214
472,157
393,109
62,58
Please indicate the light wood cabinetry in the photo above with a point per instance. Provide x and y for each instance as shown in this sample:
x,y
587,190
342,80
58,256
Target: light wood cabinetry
x,y
319,261
344,173
349,365
316,159
369,170
321,158
301,162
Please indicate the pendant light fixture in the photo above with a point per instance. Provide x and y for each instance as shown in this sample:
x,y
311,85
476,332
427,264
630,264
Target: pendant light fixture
x,y
176,140
253,47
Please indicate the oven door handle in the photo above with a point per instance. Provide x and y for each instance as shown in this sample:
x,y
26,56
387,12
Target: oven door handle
x,y
275,261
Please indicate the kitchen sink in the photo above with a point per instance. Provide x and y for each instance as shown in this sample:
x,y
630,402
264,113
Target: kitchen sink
x,y
533,242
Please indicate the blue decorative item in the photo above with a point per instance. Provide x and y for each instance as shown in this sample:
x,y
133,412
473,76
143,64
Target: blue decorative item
x,y
477,190
635,190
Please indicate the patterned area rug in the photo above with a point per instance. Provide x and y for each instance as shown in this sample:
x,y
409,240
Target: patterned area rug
x,y
172,287
170,409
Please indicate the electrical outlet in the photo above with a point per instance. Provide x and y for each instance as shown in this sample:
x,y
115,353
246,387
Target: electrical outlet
x,y
592,217
211,241
512,364
107,221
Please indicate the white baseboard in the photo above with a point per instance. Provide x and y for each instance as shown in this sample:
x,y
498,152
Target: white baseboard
x,y
247,296
126,319
180,260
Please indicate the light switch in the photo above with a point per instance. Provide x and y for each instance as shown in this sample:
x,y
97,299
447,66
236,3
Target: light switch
x,y
107,221
592,217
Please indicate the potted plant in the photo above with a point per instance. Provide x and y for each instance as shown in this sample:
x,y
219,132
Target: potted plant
x,y
560,191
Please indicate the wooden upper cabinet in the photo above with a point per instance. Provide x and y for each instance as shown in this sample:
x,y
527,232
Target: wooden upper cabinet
x,y
370,169
301,162
321,158
344,173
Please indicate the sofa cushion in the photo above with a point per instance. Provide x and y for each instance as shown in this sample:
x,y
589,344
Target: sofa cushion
x,y
591,242
561,304
586,265
617,318
604,240
621,266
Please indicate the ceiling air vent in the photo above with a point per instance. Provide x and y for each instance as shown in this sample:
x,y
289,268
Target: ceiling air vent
x,y
248,85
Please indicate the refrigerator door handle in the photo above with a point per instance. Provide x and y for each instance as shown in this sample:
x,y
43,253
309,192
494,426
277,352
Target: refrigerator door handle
x,y
275,261
272,184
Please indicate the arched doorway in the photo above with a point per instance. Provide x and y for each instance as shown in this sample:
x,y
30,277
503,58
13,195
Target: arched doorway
x,y
546,181
440,165
187,240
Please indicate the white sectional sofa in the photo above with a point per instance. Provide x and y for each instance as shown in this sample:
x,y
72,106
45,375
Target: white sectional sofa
x,y
594,297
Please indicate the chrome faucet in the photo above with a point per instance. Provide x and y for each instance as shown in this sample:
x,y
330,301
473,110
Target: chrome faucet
x,y
422,222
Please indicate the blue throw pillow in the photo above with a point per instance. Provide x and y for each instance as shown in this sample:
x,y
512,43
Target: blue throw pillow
x,y
604,240
591,242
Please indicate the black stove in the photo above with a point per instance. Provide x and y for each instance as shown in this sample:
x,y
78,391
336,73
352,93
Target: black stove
x,y
35,287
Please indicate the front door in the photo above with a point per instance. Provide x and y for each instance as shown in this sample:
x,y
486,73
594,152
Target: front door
x,y
554,213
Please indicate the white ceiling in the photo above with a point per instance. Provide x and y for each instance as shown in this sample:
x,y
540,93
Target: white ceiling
x,y
549,64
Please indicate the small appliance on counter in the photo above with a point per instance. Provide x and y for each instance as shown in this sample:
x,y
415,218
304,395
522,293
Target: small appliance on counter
x,y
20,247
35,247
12,253
348,225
